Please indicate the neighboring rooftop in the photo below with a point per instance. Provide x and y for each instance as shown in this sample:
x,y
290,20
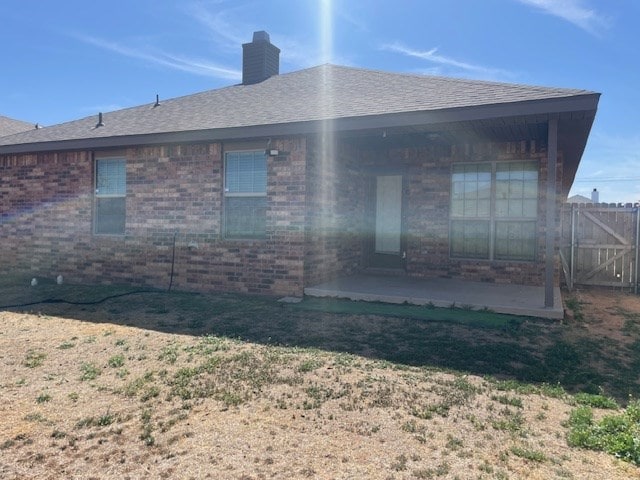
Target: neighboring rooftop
x,y
578,199
9,126
595,198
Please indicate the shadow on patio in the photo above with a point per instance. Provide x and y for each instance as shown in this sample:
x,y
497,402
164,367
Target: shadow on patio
x,y
442,292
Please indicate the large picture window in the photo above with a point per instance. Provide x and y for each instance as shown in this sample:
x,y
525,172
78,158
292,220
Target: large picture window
x,y
110,196
494,210
245,189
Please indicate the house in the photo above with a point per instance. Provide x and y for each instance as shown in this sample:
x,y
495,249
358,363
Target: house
x,y
595,198
287,180
9,126
578,199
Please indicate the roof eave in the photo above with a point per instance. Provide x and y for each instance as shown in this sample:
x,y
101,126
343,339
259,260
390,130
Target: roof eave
x,y
586,102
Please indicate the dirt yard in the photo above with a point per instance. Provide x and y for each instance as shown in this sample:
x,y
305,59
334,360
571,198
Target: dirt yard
x,y
177,386
608,313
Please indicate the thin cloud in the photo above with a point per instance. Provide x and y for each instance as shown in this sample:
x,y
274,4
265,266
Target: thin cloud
x,y
347,17
620,181
167,60
219,26
301,55
295,53
573,11
440,61
603,147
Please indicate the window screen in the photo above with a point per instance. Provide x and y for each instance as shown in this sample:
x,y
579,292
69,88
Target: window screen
x,y
494,210
110,196
245,194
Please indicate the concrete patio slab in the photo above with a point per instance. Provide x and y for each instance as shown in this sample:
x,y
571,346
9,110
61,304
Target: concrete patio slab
x,y
442,292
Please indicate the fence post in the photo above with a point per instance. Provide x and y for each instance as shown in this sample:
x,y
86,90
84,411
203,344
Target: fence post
x,y
572,269
550,213
635,274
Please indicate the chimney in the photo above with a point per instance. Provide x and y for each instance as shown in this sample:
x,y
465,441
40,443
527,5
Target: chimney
x,y
260,59
595,196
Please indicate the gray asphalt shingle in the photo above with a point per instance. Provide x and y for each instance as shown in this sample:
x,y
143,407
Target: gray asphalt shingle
x,y
318,93
9,126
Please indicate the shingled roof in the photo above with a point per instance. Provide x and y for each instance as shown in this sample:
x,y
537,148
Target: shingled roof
x,y
298,102
9,126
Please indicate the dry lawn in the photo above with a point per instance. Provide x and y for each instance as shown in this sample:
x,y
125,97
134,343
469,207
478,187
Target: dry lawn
x,y
86,396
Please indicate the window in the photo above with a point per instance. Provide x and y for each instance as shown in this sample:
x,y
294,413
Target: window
x,y
494,209
245,187
516,211
111,188
470,210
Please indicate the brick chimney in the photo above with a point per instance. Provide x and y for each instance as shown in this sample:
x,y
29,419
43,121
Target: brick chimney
x,y
260,59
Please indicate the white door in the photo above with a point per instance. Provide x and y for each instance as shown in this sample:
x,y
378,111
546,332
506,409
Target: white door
x,y
388,214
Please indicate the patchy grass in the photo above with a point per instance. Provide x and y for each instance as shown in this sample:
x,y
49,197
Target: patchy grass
x,y
529,454
152,382
576,307
34,359
596,401
43,398
617,434
116,361
89,371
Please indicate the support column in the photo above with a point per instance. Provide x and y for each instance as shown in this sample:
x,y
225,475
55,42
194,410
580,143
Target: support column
x,y
550,237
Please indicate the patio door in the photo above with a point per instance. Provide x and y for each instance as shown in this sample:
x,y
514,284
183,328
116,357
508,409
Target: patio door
x,y
387,243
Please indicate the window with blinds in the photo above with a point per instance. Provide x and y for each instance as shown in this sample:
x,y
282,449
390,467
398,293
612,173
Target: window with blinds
x,y
110,196
494,210
245,189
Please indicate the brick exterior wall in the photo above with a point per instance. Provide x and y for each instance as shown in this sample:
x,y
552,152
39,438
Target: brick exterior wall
x,y
347,235
428,213
45,208
335,211
319,216
173,192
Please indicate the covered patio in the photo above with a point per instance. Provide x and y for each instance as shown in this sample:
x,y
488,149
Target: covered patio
x,y
442,292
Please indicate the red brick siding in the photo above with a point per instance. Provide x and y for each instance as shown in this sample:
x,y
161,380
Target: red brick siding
x,y
427,189
428,213
335,212
318,218
45,204
176,188
172,191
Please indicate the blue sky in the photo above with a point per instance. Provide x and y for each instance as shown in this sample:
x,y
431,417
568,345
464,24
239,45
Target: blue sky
x,y
68,59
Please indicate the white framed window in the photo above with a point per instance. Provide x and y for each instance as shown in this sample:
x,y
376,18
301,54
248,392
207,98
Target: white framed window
x,y
516,210
470,210
245,192
110,196
494,211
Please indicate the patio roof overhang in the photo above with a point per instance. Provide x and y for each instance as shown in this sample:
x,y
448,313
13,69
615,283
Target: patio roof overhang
x,y
514,121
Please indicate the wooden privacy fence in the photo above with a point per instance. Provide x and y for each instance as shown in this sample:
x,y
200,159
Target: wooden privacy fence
x,y
600,245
